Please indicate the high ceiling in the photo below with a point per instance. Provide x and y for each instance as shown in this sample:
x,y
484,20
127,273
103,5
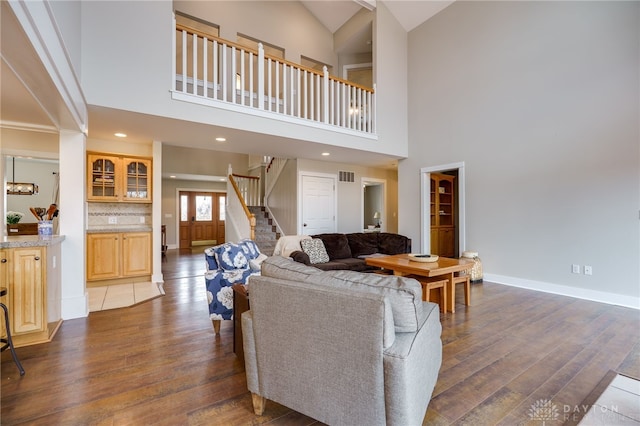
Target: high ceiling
x,y
409,13
22,108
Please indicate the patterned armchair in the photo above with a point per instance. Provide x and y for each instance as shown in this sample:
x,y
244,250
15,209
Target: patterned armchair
x,y
228,264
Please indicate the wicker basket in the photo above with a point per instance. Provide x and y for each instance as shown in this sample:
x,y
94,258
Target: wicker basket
x,y
476,270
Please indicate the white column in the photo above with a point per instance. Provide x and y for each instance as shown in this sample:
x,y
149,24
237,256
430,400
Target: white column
x,y
72,220
156,213
3,196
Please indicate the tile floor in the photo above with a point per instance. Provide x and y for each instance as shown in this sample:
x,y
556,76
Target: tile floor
x,y
122,295
619,404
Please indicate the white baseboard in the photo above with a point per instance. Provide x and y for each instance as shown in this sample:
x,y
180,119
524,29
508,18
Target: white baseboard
x,y
579,293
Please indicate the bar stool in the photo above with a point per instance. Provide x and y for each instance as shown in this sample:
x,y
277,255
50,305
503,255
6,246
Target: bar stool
x,y
433,283
8,342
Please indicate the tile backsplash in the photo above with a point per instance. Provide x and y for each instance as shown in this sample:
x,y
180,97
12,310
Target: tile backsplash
x,y
118,215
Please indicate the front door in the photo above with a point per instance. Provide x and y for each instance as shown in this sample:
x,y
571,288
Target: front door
x,y
318,204
201,218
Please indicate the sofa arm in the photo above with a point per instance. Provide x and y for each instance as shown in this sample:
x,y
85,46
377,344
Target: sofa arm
x,y
300,257
411,369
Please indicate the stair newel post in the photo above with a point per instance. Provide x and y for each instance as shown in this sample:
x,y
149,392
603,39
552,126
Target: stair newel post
x,y
325,94
260,76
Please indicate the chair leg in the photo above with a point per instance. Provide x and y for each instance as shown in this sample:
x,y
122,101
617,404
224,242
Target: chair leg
x,y
467,291
259,403
216,326
8,342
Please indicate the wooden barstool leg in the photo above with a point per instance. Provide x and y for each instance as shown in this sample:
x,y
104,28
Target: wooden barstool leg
x,y
8,342
467,291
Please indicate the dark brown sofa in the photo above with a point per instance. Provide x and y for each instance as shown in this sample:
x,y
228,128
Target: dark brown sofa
x,y
348,251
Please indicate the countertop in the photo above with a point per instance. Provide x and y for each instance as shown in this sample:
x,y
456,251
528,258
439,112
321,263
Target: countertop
x,y
30,241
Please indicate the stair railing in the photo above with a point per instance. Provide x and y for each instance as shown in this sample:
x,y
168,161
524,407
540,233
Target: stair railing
x,y
272,172
249,187
211,68
240,222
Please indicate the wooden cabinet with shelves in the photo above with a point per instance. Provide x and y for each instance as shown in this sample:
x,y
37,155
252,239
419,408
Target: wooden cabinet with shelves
x,y
118,255
34,311
116,178
442,215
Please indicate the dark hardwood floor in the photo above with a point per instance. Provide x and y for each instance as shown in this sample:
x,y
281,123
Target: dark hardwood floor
x,y
160,363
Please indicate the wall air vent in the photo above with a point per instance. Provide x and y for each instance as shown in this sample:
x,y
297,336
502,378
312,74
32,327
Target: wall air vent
x,y
346,176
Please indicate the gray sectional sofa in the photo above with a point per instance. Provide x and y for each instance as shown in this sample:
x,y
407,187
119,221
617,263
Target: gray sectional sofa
x,y
341,347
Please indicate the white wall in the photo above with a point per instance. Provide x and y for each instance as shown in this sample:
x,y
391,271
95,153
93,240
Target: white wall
x,y
389,74
40,172
67,15
137,59
286,24
350,194
540,100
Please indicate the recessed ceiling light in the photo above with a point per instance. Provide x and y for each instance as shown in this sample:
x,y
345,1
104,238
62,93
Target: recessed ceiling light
x,y
326,154
172,176
221,139
120,135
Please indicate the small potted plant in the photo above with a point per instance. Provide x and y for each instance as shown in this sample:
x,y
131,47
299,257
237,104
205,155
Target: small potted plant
x,y
12,223
13,217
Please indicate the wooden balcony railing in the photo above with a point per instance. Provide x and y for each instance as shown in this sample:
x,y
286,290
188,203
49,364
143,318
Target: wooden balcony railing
x,y
211,68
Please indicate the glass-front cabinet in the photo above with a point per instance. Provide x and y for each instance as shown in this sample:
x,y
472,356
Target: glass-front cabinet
x,y
137,186
113,178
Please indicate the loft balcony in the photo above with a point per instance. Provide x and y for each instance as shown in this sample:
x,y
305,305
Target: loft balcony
x,y
212,71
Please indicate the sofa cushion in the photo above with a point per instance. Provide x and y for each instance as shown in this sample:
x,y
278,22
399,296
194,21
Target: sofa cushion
x,y
362,243
337,245
285,268
404,294
392,243
314,247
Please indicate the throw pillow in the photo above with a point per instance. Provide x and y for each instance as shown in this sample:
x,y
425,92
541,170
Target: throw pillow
x,y
315,249
230,256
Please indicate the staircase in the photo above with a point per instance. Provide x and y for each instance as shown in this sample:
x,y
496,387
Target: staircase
x,y
265,232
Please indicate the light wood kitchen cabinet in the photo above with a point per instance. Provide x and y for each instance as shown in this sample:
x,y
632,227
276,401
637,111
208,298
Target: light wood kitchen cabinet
x,y
34,306
118,255
4,279
115,178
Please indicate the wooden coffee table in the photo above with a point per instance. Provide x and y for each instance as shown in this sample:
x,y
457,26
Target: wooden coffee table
x,y
444,267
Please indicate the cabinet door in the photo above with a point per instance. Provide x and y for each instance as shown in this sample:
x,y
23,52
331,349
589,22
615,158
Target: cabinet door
x,y
434,241
103,181
136,251
5,265
27,291
137,180
446,242
103,256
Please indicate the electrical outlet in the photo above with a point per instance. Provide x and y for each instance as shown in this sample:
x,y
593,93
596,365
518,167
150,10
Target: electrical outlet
x,y
113,220
588,270
575,269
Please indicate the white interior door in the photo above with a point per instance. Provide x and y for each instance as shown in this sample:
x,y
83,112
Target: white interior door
x,y
318,204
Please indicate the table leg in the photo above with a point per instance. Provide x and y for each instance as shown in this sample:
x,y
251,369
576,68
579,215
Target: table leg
x,y
452,292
